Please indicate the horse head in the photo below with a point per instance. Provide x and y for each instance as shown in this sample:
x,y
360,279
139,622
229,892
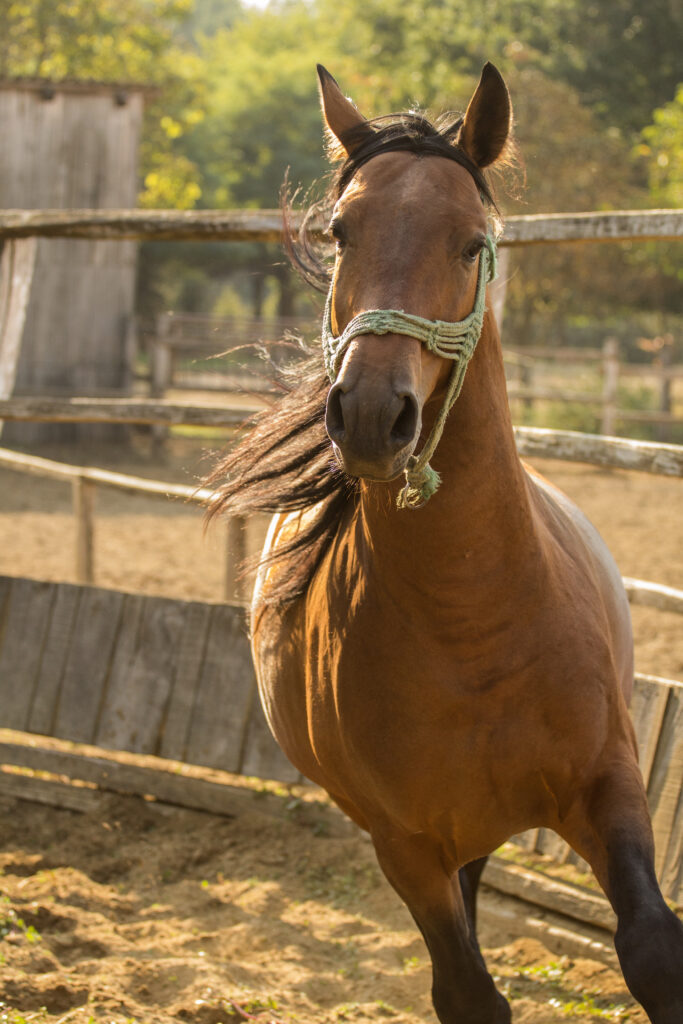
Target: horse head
x,y
410,226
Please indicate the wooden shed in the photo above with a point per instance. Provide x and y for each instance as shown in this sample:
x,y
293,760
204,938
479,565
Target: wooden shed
x,y
72,144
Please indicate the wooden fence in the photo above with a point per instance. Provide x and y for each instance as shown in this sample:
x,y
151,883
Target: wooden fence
x,y
615,452
179,337
523,386
20,228
266,225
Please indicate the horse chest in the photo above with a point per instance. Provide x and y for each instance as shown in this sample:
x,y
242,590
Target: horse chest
x,y
429,724
378,708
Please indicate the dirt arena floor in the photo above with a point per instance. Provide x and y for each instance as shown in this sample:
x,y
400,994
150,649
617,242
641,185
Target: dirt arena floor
x,y
143,913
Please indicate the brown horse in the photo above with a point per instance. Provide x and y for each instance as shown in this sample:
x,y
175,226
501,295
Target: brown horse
x,y
459,673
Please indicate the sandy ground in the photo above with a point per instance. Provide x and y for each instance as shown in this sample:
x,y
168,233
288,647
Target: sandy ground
x,y
155,915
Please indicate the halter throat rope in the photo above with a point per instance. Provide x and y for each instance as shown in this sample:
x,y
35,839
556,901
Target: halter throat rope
x,y
451,340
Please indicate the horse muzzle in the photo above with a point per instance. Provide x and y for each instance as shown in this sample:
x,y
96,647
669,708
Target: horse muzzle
x,y
374,429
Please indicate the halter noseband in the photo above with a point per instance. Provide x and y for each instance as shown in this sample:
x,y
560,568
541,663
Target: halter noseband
x,y
451,340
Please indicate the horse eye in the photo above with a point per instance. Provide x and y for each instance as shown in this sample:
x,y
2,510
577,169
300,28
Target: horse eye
x,y
471,251
338,233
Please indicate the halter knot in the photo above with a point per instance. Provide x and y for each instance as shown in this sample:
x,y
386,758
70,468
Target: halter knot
x,y
433,337
455,340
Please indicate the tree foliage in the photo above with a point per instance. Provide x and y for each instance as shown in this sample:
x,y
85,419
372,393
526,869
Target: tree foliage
x,y
599,120
663,147
110,40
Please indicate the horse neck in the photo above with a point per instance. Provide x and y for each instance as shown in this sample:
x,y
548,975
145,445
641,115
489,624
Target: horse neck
x,y
479,522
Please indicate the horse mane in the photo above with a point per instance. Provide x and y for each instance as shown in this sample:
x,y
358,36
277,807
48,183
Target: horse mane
x,y
284,460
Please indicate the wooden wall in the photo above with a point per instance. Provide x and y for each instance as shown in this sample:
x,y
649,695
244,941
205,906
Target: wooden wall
x,y
63,147
149,675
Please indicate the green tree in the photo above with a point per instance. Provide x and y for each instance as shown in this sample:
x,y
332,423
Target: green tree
x,y
623,57
112,40
662,146
130,41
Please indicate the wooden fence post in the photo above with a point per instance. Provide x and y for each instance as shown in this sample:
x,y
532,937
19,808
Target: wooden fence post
x,y
498,288
16,275
161,359
665,361
235,588
526,379
83,492
161,371
610,380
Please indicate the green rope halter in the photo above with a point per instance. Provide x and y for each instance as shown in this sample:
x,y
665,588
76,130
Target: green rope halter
x,y
456,341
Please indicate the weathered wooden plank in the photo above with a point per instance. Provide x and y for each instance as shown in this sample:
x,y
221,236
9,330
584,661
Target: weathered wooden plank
x,y
235,586
666,777
262,756
618,452
141,675
534,887
16,275
119,410
36,466
88,664
83,497
266,225
226,691
569,445
668,684
648,705
173,225
654,595
47,791
55,653
552,845
189,659
26,624
162,783
5,590
610,226
162,412
526,840
672,869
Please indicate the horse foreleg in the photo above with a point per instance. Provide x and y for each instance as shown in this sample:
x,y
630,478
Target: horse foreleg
x,y
463,991
620,848
469,877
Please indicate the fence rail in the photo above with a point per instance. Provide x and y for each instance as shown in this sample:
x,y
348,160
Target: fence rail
x,y
266,225
44,409
662,459
202,337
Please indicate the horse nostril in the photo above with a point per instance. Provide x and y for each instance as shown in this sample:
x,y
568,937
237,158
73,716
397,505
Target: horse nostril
x,y
405,424
334,415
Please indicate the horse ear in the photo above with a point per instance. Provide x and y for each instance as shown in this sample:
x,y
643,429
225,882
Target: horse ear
x,y
488,119
345,126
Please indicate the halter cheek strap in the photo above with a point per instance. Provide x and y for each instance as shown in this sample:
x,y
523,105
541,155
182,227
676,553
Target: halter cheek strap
x,y
450,340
